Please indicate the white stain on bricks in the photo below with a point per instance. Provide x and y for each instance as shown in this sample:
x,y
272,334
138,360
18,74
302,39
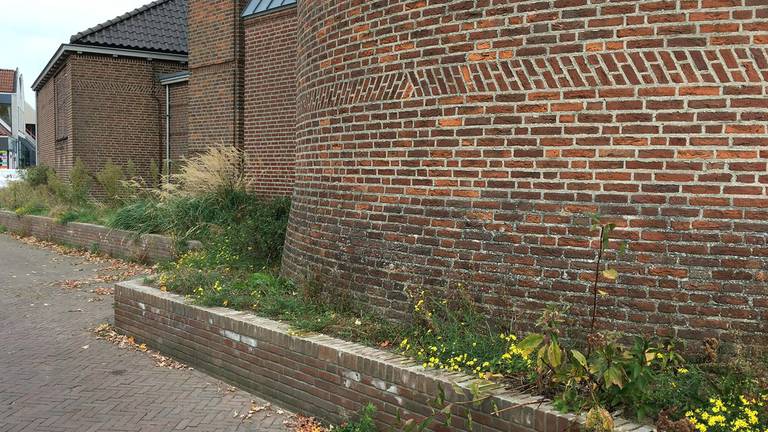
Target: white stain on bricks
x,y
142,306
383,386
231,335
249,341
351,376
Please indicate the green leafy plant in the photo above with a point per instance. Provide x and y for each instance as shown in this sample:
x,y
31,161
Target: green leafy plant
x,y
363,423
604,240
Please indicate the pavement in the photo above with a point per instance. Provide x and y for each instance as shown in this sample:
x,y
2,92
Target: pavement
x,y
56,375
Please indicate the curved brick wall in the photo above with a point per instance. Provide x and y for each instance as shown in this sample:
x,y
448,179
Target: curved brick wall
x,y
466,141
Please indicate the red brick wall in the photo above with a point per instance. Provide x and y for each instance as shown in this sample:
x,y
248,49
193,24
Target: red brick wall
x,y
270,102
216,66
447,142
149,248
319,375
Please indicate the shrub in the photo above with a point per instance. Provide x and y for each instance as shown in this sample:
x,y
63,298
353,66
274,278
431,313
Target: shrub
x,y
111,178
80,182
37,175
143,216
450,333
228,221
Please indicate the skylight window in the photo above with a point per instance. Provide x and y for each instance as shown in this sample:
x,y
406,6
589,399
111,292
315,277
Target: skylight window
x,y
256,7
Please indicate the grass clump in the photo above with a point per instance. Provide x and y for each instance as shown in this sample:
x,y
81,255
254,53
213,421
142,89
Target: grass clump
x,y
220,277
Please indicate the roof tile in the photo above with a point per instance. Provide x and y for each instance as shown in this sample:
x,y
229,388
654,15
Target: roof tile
x,y
7,81
157,26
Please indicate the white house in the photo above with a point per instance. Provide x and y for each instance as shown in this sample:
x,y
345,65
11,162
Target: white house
x,y
18,129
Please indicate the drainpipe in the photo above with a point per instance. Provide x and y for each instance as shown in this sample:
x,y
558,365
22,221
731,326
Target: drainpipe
x,y
168,131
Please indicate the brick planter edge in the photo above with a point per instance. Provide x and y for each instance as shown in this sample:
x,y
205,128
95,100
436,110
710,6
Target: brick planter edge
x,y
317,374
148,248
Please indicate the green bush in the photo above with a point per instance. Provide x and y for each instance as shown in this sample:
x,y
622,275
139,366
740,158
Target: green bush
x,y
37,175
111,179
364,422
80,183
143,217
230,221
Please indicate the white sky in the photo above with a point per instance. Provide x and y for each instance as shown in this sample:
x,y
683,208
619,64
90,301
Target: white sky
x,y
32,30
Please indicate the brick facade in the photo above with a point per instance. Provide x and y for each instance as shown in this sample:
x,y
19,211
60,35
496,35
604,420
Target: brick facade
x,y
48,116
319,375
468,142
117,110
270,102
102,108
215,33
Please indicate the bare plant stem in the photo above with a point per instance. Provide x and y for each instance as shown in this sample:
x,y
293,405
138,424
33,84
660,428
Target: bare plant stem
x,y
597,279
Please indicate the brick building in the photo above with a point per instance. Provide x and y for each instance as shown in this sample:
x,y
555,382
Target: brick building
x,y
169,78
102,97
430,143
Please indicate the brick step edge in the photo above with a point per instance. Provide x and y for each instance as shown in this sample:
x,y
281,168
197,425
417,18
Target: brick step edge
x,y
146,248
317,374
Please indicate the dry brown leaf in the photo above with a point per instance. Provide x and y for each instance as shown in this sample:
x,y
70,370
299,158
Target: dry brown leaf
x,y
108,333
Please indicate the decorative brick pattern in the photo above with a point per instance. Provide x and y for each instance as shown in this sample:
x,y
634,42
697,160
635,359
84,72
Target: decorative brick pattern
x,y
467,142
316,374
270,102
150,248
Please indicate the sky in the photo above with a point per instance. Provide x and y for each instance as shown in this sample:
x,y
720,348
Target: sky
x,y
38,27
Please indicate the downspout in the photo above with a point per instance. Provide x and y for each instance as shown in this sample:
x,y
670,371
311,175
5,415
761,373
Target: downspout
x,y
168,132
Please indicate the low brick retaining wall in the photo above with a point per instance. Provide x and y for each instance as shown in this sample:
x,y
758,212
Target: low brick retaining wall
x,y
149,248
317,374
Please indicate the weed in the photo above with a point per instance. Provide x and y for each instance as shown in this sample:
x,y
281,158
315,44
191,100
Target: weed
x,y
363,423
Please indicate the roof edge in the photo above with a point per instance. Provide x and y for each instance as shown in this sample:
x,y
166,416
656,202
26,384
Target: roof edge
x,y
245,15
174,78
66,49
87,32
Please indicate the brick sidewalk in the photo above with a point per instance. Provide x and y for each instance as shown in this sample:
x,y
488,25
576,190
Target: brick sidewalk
x,y
56,376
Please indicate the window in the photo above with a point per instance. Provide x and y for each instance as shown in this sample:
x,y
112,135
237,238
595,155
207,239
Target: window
x,y
6,113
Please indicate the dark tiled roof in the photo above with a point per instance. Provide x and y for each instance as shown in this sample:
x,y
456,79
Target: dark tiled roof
x,y
7,81
158,26
257,7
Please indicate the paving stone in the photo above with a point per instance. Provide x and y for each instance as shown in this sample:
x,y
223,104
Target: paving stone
x,y
50,381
